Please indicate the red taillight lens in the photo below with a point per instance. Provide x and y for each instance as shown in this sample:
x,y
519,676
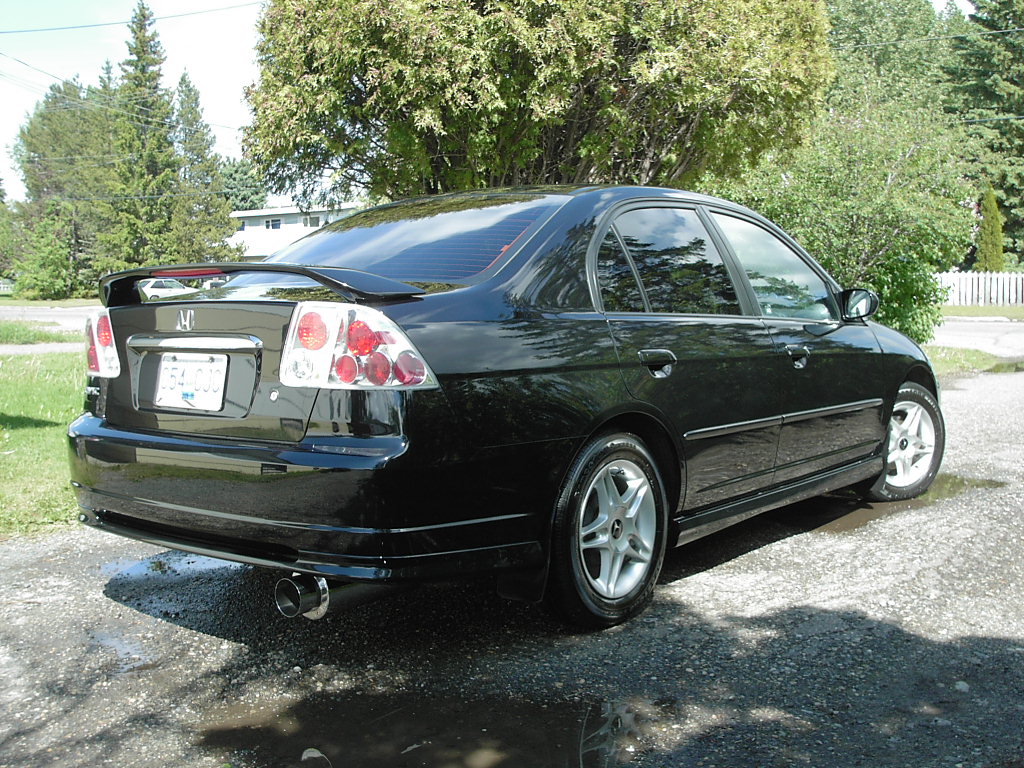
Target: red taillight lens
x,y
409,369
377,368
104,333
362,340
346,368
312,331
336,345
101,354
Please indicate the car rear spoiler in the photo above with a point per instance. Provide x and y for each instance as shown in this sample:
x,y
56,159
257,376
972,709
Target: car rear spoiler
x,y
118,289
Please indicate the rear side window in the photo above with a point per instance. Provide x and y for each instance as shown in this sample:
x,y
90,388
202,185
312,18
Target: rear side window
x,y
679,267
619,289
434,240
785,284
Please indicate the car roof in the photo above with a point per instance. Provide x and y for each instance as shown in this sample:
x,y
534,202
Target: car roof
x,y
608,193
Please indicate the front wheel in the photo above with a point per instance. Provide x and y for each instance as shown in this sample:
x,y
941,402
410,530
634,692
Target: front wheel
x,y
608,540
917,439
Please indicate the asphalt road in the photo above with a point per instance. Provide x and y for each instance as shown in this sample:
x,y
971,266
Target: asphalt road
x,y
1000,337
831,633
67,318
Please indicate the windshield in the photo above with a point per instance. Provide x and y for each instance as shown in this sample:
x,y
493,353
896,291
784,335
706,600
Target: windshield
x,y
447,239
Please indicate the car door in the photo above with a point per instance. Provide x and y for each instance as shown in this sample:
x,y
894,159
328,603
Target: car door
x,y
687,350
831,393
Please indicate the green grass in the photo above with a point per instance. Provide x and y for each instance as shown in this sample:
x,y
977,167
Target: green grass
x,y
17,332
6,300
952,361
39,396
1015,312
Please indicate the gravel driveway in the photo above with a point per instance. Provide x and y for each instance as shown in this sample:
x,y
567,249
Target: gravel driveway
x,y
829,633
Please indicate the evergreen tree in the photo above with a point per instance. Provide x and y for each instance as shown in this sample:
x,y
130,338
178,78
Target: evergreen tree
x,y
988,88
46,268
244,188
201,218
65,156
141,211
990,237
6,234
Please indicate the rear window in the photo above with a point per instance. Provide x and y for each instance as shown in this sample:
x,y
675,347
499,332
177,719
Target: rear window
x,y
447,239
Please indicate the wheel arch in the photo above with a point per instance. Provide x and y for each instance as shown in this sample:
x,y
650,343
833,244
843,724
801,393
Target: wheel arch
x,y
920,374
658,440
530,586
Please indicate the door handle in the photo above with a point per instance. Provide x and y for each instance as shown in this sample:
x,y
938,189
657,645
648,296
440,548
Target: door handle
x,y
799,354
658,361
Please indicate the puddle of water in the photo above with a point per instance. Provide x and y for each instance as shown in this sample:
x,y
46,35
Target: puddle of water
x,y
168,564
945,486
391,730
131,657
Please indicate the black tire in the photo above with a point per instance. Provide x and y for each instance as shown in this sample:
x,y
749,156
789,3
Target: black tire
x,y
912,460
612,509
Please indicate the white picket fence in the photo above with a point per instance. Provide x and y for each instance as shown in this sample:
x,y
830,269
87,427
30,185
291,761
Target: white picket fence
x,y
978,289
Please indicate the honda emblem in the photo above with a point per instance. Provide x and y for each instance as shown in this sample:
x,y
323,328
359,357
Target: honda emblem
x,y
186,319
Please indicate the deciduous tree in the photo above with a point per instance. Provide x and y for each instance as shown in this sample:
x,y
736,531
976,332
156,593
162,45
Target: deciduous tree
x,y
423,97
882,193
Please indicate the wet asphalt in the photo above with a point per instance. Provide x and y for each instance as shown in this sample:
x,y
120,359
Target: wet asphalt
x,y
828,633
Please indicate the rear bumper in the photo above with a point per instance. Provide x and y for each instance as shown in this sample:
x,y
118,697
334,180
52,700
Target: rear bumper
x,y
339,507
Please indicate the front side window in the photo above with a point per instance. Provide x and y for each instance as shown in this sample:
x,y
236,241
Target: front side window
x,y
679,267
785,285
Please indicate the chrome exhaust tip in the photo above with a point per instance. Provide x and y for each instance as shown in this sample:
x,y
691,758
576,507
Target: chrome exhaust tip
x,y
302,595
313,596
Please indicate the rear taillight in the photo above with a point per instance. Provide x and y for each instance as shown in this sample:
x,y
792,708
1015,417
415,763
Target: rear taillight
x,y
102,352
347,346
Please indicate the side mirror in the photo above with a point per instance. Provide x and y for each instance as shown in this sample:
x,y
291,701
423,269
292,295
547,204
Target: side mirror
x,y
858,303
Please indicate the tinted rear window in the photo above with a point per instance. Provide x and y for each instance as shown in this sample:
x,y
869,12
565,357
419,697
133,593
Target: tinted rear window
x,y
443,239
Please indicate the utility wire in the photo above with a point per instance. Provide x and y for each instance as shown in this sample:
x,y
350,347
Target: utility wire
x,y
122,23
147,121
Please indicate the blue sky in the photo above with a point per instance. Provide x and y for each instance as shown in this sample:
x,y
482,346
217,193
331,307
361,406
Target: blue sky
x,y
216,48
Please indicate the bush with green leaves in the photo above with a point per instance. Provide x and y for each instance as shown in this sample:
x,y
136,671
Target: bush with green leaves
x,y
880,198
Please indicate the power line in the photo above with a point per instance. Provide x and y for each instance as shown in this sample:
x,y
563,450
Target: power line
x,y
148,122
122,23
929,39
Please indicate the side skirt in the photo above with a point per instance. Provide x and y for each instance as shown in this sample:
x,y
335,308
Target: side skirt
x,y
715,519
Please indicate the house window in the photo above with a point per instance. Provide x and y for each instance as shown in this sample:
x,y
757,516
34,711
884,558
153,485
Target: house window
x,y
311,221
241,225
272,223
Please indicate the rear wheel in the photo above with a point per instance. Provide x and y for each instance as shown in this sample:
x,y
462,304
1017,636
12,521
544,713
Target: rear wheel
x,y
917,439
609,533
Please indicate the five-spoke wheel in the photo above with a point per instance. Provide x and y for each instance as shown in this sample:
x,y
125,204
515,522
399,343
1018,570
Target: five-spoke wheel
x,y
609,533
917,438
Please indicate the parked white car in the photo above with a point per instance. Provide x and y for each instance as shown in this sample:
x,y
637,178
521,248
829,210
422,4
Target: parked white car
x,y
162,287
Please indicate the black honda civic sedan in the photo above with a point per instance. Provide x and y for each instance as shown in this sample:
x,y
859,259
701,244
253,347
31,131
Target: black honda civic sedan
x,y
548,386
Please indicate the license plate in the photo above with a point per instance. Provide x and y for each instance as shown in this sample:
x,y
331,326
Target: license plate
x,y
191,380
